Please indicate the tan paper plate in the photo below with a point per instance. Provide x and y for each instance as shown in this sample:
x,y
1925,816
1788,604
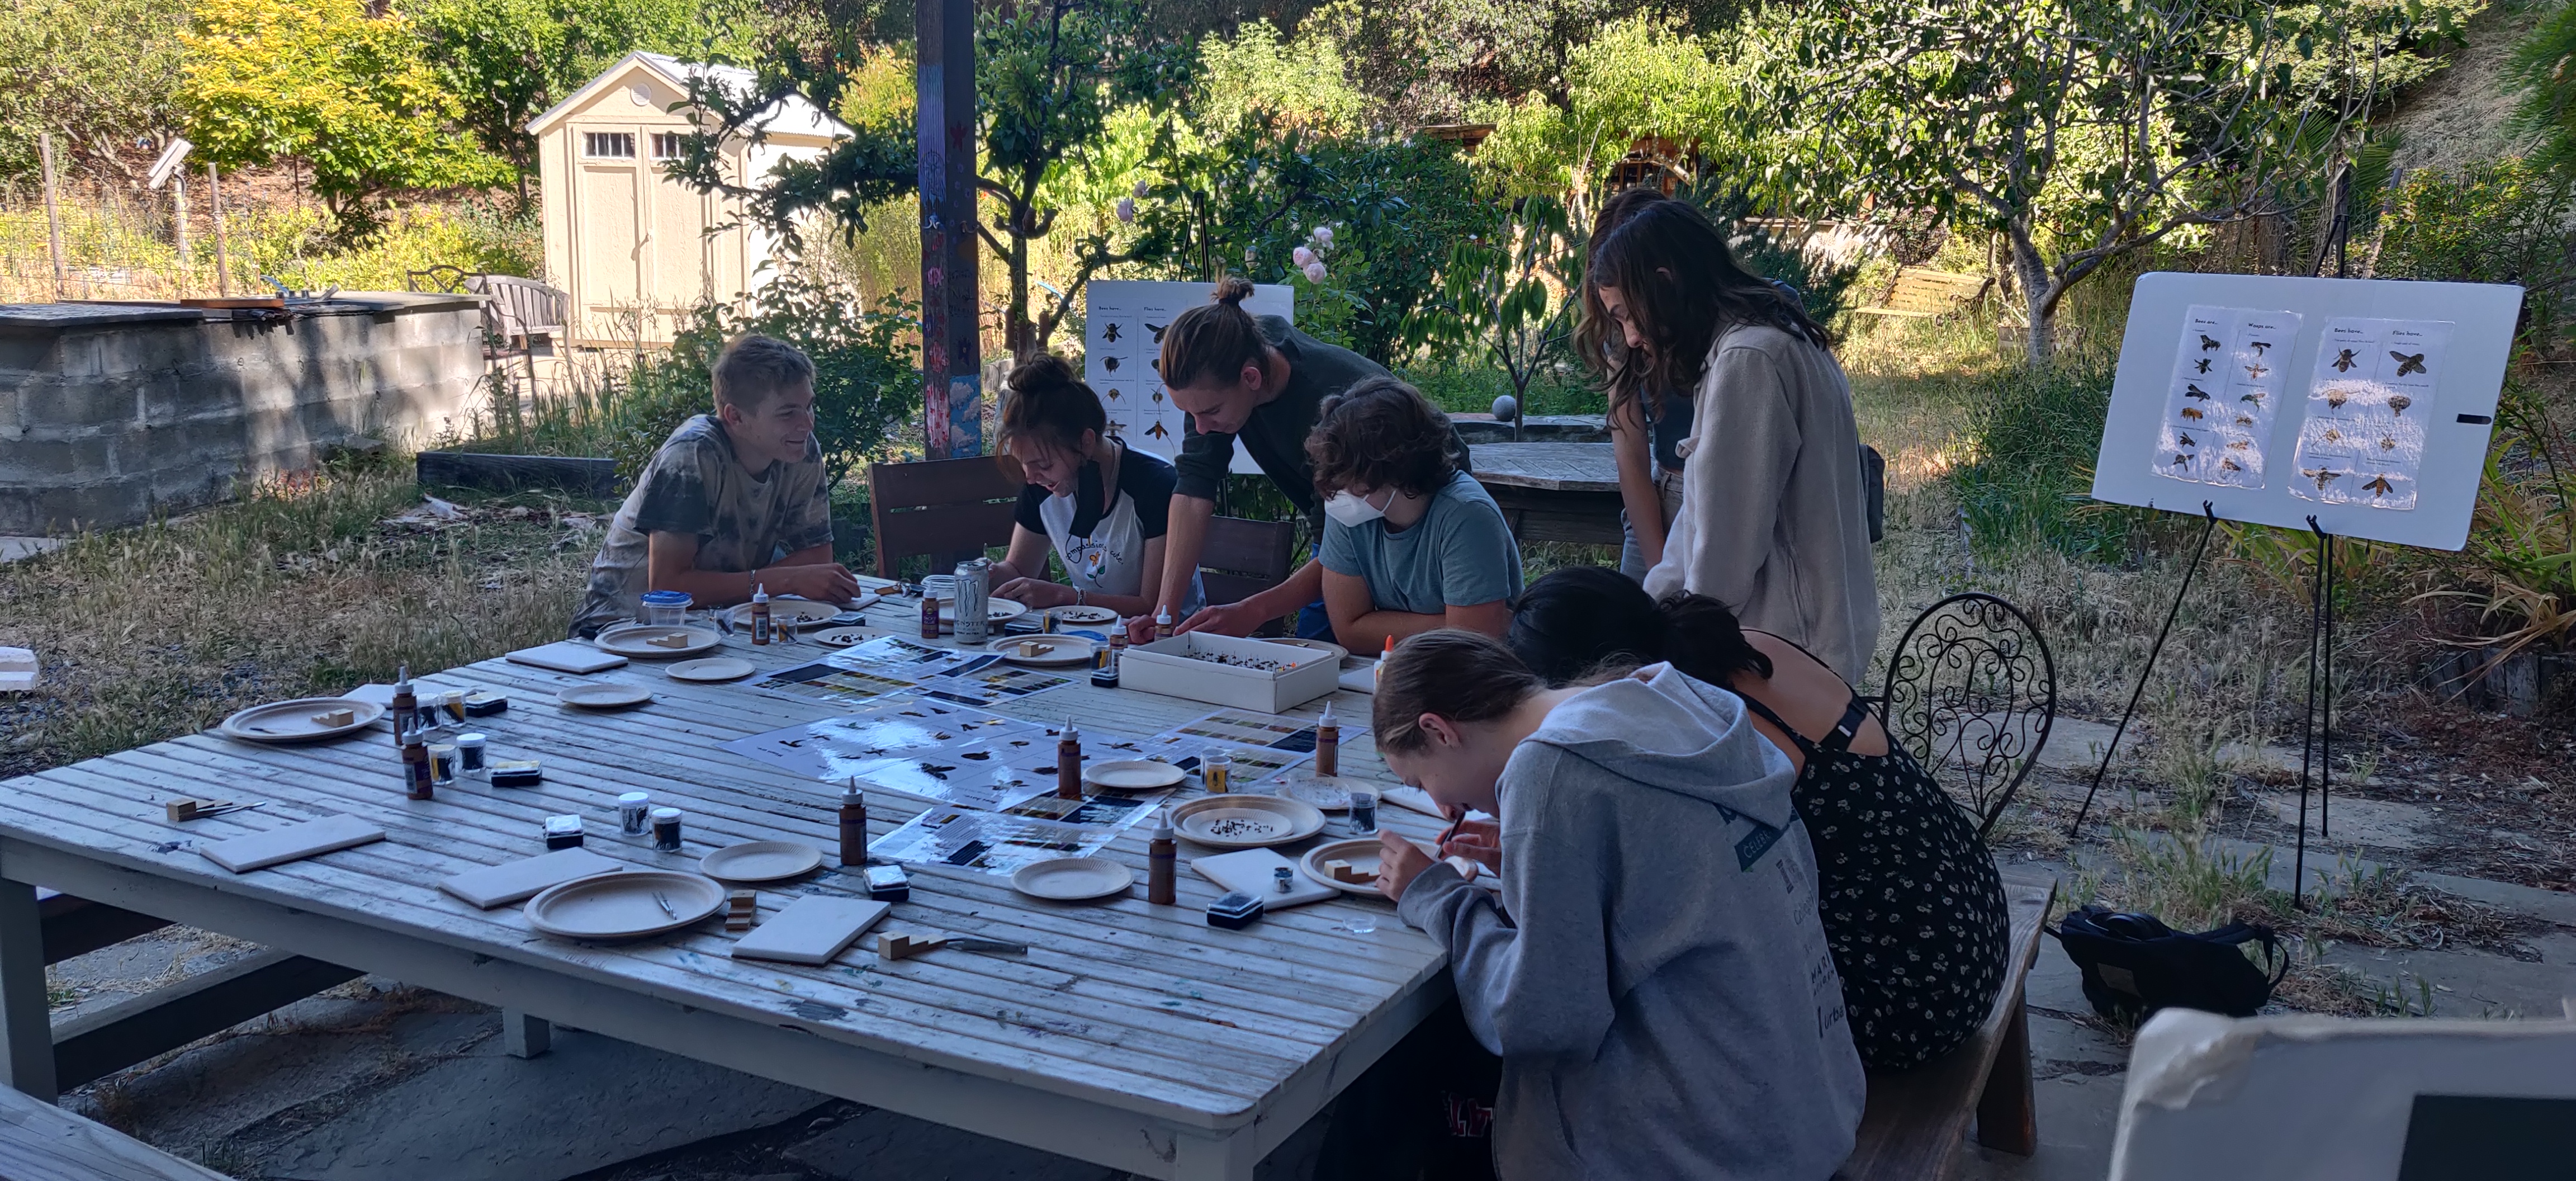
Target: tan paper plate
x,y
292,721
623,905
1051,651
803,611
1362,854
1073,879
996,610
1084,616
713,668
644,641
605,696
1235,821
760,861
841,637
1131,775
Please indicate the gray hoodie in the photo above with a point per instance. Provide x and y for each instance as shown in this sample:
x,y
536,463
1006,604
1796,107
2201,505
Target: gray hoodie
x,y
1656,979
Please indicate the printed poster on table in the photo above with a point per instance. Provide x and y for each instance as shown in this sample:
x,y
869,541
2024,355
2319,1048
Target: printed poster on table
x,y
2228,384
1122,342
1002,842
2363,441
935,751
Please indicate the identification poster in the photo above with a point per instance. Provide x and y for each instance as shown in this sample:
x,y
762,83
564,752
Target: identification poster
x,y
2228,384
1122,343
1001,842
2368,403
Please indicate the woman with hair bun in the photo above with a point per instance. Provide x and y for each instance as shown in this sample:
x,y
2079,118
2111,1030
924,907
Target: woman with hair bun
x,y
1102,507
1911,903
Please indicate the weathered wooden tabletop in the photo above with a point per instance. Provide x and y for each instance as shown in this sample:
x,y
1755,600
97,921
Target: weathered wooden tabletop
x,y
1555,467
1132,1035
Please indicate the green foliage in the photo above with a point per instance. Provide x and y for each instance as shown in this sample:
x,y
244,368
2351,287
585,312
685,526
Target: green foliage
x,y
2492,221
2032,434
299,244
1821,285
1507,295
866,380
1303,83
96,73
2544,69
1642,77
323,82
508,61
1429,61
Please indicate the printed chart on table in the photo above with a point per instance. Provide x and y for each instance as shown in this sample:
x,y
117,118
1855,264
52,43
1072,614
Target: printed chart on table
x,y
932,750
892,664
2363,441
1003,841
2228,384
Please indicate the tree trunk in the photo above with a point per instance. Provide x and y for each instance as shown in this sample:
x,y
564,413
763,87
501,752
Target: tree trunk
x,y
2039,298
1018,334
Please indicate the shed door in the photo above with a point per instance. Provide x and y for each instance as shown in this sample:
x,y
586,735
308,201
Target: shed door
x,y
609,275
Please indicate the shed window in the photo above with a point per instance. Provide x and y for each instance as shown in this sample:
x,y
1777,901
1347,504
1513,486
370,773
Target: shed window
x,y
666,145
618,145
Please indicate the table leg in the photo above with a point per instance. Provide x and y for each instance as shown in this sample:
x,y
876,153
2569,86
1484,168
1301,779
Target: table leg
x,y
26,1022
523,1036
1230,1159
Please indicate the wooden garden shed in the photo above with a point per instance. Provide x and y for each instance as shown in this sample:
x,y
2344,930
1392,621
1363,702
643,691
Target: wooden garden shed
x,y
629,245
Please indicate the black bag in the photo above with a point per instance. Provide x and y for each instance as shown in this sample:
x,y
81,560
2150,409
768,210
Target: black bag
x,y
2134,965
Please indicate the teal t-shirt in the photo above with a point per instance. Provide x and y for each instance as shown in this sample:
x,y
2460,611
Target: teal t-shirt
x,y
1459,554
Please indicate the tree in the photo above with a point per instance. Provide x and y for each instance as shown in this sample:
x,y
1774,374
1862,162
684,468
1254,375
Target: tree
x,y
1641,78
98,74
323,82
508,61
2080,130
1508,294
1431,60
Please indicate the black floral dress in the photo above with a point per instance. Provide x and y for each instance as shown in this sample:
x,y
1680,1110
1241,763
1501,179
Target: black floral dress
x,y
1912,906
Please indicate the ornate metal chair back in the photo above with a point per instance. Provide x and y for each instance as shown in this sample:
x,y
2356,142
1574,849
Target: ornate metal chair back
x,y
1971,691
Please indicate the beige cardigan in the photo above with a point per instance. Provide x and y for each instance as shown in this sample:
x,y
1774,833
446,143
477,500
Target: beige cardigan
x,y
1773,520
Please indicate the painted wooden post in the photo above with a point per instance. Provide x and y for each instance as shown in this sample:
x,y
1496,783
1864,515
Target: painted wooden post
x,y
53,214
179,224
951,354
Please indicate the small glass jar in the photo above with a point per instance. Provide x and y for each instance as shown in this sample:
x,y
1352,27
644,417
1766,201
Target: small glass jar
x,y
666,830
664,608
1363,813
442,764
1219,773
634,810
451,709
469,756
563,832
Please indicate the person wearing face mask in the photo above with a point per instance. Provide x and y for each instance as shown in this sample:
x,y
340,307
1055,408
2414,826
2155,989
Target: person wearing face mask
x,y
1099,506
1412,542
733,501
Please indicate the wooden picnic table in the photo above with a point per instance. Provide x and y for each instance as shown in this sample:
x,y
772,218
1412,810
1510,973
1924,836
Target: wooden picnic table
x,y
1133,1036
1553,491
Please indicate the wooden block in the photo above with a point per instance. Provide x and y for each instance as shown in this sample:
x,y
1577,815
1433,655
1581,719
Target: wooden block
x,y
673,641
812,930
293,842
336,717
742,909
182,810
904,947
1341,871
518,881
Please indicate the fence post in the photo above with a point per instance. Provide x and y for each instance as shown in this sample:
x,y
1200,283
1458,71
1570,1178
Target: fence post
x,y
53,214
179,221
223,253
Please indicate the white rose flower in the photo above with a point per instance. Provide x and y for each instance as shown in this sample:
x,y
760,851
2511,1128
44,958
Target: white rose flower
x,y
1126,209
1324,235
1302,255
1314,272
1141,189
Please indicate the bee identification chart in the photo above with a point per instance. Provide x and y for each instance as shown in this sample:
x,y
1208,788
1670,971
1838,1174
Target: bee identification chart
x,y
2365,404
1122,352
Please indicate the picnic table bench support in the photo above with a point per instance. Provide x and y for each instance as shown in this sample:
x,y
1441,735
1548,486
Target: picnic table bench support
x,y
26,1030
2007,1111
525,1036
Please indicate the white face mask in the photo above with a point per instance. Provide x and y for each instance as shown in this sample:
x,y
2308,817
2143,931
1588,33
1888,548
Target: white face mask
x,y
1351,511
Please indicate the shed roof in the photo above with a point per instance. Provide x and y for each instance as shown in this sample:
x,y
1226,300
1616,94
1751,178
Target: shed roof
x,y
792,114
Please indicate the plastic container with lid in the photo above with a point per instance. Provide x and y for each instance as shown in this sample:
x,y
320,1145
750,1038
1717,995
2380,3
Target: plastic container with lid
x,y
665,608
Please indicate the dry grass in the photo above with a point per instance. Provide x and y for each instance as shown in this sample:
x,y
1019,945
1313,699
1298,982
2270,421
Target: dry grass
x,y
300,587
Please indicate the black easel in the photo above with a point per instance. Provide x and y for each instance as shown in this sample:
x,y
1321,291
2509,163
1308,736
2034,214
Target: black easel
x,y
2316,730
2210,525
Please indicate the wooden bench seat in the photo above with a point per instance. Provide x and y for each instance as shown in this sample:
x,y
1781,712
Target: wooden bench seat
x,y
1916,1119
39,1142
1920,293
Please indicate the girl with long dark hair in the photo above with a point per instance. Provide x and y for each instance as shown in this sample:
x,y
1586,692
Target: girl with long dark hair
x,y
1772,514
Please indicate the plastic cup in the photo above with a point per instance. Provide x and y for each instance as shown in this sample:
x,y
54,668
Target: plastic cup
x,y
665,608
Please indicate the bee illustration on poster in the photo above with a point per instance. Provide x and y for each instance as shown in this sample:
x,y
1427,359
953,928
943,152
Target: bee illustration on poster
x,y
2369,401
2228,384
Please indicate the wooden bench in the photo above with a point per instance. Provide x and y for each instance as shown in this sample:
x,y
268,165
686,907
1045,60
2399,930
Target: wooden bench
x,y
1916,1119
40,1140
1920,293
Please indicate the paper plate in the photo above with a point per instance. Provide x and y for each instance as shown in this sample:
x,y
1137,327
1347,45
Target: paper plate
x,y
1318,645
841,637
292,721
1362,854
1131,775
1073,879
760,861
1085,615
803,611
622,905
713,668
604,696
996,610
1246,822
644,641
1052,651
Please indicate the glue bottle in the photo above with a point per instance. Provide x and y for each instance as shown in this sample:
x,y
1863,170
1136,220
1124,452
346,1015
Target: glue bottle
x,y
1104,675
1162,623
929,615
854,825
418,777
1328,743
1162,856
1068,763
760,623
1384,654
406,708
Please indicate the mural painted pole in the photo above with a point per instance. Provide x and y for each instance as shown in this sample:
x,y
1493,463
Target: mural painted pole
x,y
951,355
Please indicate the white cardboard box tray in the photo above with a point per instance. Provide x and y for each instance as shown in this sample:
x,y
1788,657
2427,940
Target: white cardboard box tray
x,y
1168,667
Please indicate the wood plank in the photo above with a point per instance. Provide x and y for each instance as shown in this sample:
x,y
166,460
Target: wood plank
x,y
101,1042
78,926
39,1140
1555,467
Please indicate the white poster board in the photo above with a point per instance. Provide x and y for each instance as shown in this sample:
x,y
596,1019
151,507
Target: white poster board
x,y
1122,333
2366,403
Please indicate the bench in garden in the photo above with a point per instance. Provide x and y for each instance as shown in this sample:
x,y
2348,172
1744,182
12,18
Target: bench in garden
x,y
1920,293
1915,1120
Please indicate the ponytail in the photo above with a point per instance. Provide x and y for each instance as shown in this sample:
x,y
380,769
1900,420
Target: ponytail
x,y
1214,340
1046,404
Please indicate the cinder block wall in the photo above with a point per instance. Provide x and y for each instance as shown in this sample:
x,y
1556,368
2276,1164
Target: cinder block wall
x,y
111,413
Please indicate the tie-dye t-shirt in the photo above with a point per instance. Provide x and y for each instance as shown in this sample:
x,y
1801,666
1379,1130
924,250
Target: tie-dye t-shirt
x,y
695,485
